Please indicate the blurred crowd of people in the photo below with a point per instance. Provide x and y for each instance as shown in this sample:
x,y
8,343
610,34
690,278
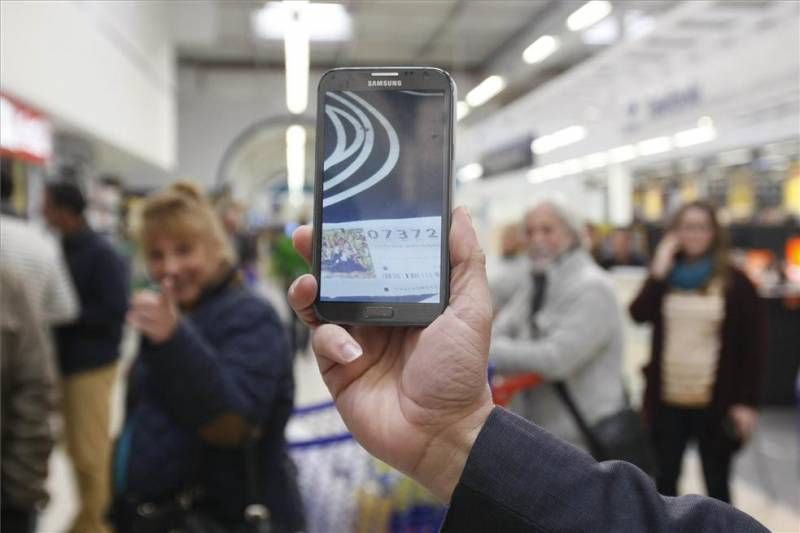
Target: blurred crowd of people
x,y
211,389
207,397
557,315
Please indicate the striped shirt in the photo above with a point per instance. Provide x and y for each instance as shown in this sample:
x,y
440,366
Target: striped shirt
x,y
38,263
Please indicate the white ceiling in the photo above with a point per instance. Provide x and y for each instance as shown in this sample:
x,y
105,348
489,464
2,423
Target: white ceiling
x,y
470,38
456,33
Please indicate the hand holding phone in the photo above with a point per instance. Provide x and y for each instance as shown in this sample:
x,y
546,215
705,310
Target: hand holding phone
x,y
382,195
414,398
664,258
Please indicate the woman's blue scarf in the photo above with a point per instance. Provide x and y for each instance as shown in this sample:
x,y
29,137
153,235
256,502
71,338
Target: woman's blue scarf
x,y
691,276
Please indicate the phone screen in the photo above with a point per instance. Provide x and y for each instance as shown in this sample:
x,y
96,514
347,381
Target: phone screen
x,y
382,198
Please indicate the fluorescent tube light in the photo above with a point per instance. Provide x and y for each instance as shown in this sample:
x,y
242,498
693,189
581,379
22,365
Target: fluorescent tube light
x,y
296,51
325,22
559,139
589,14
296,162
656,145
694,136
622,153
470,172
485,90
595,160
540,49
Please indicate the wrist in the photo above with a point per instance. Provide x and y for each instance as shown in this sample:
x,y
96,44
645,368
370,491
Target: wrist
x,y
444,460
163,336
659,272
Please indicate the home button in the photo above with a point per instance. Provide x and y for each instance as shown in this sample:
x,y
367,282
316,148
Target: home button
x,y
378,312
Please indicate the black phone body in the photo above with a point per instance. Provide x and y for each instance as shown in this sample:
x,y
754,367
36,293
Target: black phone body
x,y
383,195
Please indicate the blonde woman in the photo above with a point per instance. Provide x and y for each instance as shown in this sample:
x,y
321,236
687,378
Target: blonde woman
x,y
213,371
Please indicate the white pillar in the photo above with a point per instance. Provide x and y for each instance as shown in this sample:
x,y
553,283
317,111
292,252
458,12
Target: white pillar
x,y
620,195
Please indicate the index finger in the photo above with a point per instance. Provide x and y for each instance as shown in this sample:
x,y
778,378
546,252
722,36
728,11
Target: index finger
x,y
167,294
301,238
302,294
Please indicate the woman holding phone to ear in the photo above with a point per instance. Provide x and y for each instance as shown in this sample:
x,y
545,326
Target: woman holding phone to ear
x,y
211,390
707,347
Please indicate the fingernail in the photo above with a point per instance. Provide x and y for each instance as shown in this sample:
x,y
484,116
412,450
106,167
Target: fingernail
x,y
293,286
351,351
469,215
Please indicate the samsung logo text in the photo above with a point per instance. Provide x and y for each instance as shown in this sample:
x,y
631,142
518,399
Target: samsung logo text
x,y
384,83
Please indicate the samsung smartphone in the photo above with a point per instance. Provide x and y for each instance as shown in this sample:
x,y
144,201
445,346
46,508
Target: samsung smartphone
x,y
384,157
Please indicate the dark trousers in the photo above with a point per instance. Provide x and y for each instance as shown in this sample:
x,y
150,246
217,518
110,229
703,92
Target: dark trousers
x,y
15,520
672,430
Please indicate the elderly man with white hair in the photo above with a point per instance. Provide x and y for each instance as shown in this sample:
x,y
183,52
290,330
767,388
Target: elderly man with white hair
x,y
564,324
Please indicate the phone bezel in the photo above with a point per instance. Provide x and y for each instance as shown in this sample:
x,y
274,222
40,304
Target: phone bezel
x,y
403,314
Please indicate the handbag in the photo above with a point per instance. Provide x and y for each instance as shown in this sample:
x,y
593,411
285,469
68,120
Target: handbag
x,y
620,436
181,514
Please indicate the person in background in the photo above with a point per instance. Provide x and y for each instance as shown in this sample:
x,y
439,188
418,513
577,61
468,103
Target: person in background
x,y
245,243
564,324
88,349
622,250
594,241
37,261
512,268
707,349
418,399
29,398
212,388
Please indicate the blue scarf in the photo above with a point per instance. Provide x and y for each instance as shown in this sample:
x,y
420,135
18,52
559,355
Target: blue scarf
x,y
691,276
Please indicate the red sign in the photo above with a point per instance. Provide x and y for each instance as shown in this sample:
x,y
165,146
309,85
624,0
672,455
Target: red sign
x,y
24,132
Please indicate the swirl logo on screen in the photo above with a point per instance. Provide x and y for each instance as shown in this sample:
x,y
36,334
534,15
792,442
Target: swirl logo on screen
x,y
357,150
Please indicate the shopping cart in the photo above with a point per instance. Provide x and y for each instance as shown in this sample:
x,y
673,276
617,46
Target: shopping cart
x,y
504,388
346,490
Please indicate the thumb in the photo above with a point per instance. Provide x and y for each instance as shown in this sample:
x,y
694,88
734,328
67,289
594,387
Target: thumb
x,y
167,292
469,287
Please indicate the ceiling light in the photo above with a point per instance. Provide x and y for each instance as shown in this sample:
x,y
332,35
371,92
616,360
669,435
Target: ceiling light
x,y
705,122
559,139
296,50
547,173
656,145
296,162
622,153
572,166
588,14
694,136
485,91
595,160
470,172
540,49
602,34
325,22
462,110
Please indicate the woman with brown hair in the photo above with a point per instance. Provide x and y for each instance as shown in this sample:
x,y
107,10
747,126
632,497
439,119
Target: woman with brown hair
x,y
707,347
211,390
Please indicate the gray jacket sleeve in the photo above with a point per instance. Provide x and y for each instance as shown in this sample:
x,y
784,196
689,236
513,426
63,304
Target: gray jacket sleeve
x,y
29,397
583,329
518,478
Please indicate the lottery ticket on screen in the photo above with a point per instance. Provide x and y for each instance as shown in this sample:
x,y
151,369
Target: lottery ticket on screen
x,y
376,258
382,197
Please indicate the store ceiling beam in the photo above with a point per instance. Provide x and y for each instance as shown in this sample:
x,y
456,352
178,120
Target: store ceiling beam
x,y
533,22
441,28
278,65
